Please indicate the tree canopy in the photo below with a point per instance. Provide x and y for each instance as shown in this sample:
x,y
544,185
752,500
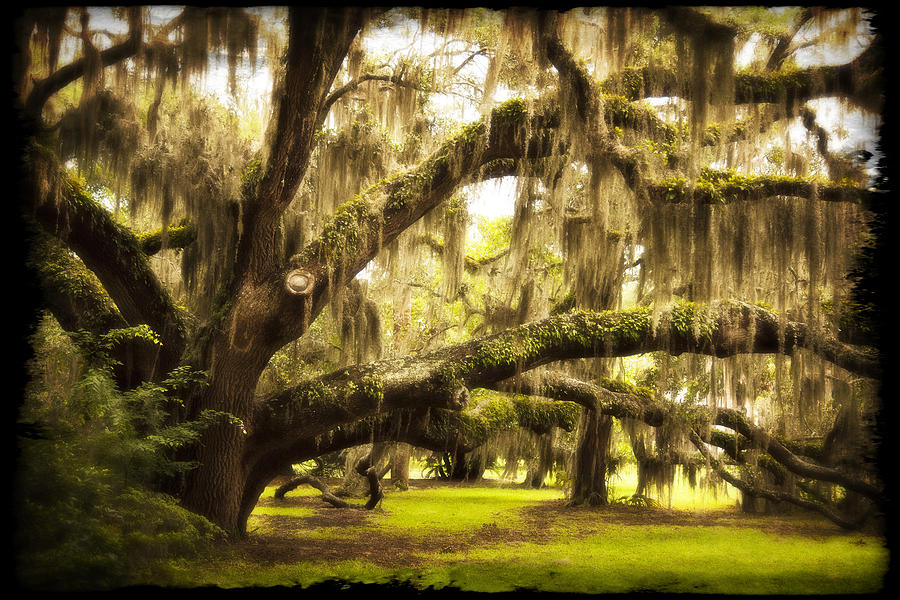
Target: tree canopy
x,y
317,228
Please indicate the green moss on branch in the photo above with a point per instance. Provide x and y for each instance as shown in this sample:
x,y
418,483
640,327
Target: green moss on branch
x,y
176,236
725,186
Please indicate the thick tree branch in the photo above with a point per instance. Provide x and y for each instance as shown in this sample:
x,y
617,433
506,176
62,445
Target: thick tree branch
x,y
584,96
775,495
565,388
62,77
860,80
174,236
78,301
365,467
645,409
319,39
438,430
327,495
441,379
441,430
783,48
695,24
66,210
724,187
722,329
71,292
361,227
774,448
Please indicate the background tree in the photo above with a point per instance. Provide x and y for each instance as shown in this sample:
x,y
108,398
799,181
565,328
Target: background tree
x,y
252,243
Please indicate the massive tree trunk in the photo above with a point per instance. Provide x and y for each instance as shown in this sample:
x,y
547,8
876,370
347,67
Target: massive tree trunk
x,y
245,337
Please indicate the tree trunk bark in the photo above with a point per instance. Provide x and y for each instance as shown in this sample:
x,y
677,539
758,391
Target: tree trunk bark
x,y
400,466
466,468
589,482
225,485
544,463
215,489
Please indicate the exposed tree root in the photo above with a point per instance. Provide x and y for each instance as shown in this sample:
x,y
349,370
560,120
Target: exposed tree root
x,y
364,467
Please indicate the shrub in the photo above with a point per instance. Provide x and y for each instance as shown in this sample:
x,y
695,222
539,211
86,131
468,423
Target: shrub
x,y
78,528
85,518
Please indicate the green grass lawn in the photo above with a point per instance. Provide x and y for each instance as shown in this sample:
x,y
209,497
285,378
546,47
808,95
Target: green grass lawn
x,y
494,537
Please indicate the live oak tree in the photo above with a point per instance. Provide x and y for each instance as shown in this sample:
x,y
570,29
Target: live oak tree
x,y
697,229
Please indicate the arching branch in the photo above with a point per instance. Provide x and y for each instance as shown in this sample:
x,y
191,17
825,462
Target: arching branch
x,y
775,495
361,227
633,406
365,467
441,379
353,85
66,210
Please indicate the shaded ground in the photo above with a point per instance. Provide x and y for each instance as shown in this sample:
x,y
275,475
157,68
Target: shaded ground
x,y
280,539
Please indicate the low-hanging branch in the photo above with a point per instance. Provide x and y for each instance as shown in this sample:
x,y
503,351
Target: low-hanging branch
x,y
643,408
442,429
775,495
442,378
365,467
698,420
434,429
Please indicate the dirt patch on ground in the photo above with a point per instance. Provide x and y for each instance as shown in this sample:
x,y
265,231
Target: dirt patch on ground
x,y
591,519
378,549
279,539
321,536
